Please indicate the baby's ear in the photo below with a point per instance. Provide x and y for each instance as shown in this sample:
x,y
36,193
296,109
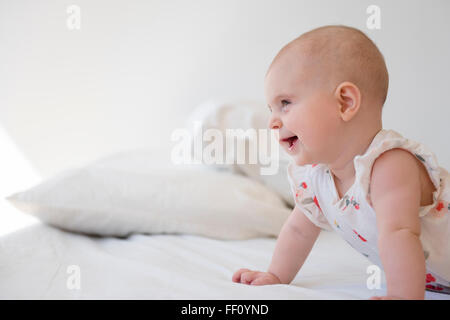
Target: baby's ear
x,y
348,96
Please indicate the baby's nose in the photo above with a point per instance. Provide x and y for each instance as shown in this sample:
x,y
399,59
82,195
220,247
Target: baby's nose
x,y
274,123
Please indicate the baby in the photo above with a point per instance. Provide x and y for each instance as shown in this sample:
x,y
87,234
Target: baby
x,y
383,193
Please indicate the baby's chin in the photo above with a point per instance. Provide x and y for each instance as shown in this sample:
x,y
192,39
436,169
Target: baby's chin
x,y
299,157
300,160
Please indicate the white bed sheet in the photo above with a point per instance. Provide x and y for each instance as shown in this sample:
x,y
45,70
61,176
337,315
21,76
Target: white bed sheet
x,y
34,264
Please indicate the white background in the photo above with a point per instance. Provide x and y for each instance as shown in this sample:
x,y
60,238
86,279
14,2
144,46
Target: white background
x,y
136,69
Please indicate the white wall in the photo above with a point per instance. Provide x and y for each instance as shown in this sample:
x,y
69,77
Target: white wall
x,y
136,69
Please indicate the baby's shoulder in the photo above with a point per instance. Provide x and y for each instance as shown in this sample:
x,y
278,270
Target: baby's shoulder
x,y
394,163
399,169
391,154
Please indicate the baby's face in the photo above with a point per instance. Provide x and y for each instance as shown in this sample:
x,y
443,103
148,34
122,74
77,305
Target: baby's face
x,y
303,106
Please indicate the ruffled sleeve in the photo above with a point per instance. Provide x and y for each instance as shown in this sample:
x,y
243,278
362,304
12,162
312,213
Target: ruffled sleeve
x,y
299,178
390,139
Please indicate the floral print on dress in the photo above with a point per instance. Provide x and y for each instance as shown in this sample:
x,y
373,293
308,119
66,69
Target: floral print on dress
x,y
418,156
317,203
346,201
300,190
421,158
311,200
307,200
359,236
337,224
432,285
442,208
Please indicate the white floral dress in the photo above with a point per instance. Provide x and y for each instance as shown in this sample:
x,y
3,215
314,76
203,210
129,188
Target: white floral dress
x,y
354,218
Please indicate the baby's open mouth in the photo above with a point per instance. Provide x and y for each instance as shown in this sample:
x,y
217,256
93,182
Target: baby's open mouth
x,y
291,141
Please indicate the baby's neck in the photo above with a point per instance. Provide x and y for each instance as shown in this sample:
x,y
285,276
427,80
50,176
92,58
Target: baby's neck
x,y
343,168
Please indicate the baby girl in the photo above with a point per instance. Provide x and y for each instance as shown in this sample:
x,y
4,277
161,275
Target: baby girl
x,y
383,193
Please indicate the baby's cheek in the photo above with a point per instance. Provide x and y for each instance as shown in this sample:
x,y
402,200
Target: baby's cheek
x,y
318,147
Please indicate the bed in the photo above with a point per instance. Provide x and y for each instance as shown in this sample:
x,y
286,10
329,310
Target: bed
x,y
37,263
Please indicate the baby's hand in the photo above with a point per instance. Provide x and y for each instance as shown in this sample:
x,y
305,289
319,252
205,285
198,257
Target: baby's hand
x,y
255,278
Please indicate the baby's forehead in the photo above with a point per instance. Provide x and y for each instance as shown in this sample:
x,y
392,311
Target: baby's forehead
x,y
295,67
286,83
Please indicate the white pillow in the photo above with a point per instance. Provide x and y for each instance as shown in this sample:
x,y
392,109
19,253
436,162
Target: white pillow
x,y
223,115
142,192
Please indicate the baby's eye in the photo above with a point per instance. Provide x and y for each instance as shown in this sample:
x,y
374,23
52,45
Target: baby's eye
x,y
284,103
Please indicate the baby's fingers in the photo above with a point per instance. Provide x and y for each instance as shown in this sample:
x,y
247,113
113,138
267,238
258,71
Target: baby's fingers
x,y
237,275
265,278
261,281
248,277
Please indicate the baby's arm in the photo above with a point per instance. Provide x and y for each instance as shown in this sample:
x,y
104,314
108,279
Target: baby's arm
x,y
294,243
396,193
